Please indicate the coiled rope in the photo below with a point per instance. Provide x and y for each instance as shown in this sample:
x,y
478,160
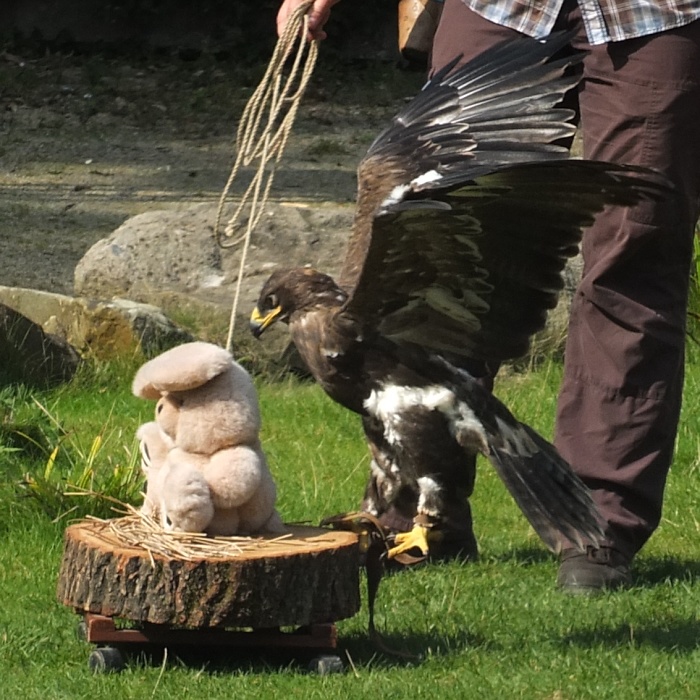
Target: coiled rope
x,y
262,136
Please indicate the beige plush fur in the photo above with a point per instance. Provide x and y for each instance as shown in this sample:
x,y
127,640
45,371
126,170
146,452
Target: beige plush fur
x,y
185,501
155,445
206,432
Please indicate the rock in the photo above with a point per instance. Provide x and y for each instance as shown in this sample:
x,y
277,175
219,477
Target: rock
x,y
31,356
158,250
170,258
172,255
100,329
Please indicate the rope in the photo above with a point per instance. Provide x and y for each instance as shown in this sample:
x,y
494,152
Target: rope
x,y
263,133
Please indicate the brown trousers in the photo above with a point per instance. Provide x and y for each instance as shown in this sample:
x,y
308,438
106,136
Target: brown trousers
x,y
619,405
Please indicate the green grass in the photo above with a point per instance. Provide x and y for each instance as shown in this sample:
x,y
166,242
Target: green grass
x,y
495,629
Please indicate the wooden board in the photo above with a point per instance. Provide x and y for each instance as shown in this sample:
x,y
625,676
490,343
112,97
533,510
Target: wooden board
x,y
315,579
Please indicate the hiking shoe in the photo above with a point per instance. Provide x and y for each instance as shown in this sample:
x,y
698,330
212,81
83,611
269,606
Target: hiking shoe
x,y
593,571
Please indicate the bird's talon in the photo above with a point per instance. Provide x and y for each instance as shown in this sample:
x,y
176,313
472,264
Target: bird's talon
x,y
417,538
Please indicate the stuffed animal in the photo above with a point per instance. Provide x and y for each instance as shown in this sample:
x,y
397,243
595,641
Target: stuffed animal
x,y
205,469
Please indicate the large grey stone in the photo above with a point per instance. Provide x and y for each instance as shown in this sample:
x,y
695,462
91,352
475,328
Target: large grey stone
x,y
156,251
172,254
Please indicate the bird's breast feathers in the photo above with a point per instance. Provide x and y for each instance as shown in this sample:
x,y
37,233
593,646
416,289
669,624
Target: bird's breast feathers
x,y
396,406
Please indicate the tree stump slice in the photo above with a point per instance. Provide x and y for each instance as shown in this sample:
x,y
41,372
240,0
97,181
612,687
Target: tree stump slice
x,y
313,578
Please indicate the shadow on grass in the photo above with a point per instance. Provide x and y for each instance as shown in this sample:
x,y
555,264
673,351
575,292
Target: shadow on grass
x,y
654,571
408,649
354,650
524,556
648,571
680,636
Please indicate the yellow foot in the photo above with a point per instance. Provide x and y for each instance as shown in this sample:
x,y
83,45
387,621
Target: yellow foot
x,y
405,541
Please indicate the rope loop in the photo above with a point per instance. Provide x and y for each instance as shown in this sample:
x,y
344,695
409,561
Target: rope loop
x,y
262,136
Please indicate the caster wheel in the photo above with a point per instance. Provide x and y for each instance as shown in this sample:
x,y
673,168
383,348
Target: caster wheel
x,y
326,664
81,631
106,660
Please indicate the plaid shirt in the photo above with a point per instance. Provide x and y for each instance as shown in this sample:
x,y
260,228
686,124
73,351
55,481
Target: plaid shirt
x,y
605,20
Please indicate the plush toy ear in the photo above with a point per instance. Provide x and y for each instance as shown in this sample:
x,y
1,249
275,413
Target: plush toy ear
x,y
181,368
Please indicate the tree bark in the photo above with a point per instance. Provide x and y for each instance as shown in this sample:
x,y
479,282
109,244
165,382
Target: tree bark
x,y
315,579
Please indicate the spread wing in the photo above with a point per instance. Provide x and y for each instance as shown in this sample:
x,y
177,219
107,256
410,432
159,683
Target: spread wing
x,y
467,209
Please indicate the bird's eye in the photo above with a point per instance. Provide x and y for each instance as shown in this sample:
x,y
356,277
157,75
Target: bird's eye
x,y
272,302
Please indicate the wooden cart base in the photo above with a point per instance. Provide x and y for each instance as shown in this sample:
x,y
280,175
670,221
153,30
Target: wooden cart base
x,y
242,600
113,643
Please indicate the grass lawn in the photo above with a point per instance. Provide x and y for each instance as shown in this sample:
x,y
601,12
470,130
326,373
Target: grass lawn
x,y
494,629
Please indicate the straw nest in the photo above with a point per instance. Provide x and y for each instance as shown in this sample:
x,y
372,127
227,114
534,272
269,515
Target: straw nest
x,y
140,531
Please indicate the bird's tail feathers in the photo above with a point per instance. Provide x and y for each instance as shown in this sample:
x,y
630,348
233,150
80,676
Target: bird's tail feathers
x,y
555,501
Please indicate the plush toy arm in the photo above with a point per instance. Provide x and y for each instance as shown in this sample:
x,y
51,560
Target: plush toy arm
x,y
154,446
234,475
186,504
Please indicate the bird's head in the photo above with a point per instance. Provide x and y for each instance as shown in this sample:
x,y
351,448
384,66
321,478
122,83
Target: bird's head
x,y
290,291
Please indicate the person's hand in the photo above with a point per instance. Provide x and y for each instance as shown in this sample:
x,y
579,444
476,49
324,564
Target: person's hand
x,y
318,16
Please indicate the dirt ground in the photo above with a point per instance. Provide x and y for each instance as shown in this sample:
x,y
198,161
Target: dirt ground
x,y
87,141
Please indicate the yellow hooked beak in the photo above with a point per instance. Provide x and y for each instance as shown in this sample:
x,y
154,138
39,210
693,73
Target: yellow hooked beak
x,y
258,323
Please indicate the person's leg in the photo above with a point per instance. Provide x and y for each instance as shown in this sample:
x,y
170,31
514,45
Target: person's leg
x,y
462,32
620,399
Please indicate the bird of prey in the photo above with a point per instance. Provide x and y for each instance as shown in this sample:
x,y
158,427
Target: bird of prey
x,y
467,211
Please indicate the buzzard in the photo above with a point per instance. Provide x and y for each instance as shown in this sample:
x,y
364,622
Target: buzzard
x,y
467,211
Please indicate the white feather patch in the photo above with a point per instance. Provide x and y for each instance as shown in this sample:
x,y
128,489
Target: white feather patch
x,y
426,178
429,492
393,399
389,403
371,507
394,197
376,470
